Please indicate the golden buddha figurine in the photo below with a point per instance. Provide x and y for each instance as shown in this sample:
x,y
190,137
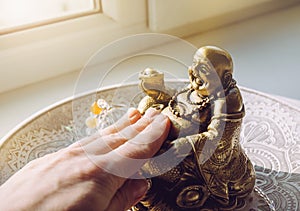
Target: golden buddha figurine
x,y
207,115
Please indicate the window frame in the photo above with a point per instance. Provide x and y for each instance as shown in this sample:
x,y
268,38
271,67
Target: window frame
x,y
13,29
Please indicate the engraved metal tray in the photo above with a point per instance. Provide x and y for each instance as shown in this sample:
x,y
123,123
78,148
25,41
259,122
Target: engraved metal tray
x,y
270,136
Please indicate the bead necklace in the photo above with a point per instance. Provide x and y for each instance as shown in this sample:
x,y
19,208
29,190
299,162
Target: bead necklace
x,y
200,105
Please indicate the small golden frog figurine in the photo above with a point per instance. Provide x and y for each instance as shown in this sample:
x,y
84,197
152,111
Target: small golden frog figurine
x,y
207,115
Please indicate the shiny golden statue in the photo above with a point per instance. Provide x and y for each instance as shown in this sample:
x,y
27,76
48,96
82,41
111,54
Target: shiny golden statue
x,y
206,116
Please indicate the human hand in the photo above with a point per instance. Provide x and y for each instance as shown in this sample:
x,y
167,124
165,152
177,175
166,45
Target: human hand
x,y
80,177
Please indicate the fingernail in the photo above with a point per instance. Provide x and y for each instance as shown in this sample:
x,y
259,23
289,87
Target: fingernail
x,y
141,188
134,116
132,112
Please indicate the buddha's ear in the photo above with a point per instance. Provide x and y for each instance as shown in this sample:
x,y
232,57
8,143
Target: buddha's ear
x,y
226,80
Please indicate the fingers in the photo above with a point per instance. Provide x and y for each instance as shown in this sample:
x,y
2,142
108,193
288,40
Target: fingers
x,y
146,143
129,118
132,116
128,158
104,144
128,195
134,140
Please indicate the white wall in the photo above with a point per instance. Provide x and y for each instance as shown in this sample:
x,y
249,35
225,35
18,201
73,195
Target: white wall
x,y
265,49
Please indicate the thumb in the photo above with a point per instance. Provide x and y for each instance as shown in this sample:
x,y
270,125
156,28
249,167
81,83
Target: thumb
x,y
128,195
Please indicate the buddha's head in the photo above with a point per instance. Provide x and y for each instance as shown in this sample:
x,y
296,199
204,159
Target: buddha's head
x,y
211,71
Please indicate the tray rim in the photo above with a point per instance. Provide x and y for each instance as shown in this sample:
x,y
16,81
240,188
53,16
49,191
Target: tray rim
x,y
48,108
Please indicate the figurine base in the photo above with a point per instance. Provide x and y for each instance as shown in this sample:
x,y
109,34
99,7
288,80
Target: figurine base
x,y
256,200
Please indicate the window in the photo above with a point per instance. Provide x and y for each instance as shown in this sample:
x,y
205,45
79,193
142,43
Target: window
x,y
43,51
21,14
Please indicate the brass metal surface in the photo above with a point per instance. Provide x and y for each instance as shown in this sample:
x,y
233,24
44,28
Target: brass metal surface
x,y
207,116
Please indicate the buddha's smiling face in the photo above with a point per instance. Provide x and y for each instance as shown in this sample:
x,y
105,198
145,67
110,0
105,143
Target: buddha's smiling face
x,y
204,78
207,73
